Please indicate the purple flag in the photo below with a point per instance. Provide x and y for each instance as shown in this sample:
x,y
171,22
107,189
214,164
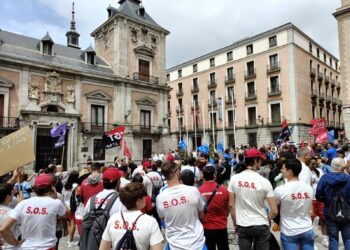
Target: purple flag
x,y
60,130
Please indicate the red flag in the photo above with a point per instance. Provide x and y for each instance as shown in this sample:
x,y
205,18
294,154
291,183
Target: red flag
x,y
322,137
318,126
284,124
127,151
113,138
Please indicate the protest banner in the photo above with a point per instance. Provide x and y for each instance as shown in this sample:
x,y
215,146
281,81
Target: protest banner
x,y
16,150
113,137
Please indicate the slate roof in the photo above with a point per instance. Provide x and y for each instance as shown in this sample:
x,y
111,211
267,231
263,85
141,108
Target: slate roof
x,y
28,49
130,9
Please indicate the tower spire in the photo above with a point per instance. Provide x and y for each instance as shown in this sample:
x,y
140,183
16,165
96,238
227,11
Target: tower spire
x,y
72,22
73,35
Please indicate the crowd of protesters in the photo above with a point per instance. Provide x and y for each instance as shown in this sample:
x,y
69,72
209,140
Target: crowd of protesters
x,y
174,201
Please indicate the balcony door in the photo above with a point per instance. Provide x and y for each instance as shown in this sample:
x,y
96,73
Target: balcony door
x,y
145,120
97,118
2,109
144,70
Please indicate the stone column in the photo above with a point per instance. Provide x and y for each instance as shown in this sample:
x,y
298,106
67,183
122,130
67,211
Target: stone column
x,y
342,15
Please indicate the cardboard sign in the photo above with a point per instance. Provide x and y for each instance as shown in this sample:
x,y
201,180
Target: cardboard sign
x,y
16,150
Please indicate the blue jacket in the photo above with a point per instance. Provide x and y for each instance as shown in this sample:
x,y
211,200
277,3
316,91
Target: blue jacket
x,y
325,188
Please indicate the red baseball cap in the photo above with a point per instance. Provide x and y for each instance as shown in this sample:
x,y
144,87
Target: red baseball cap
x,y
147,164
254,153
170,157
111,174
43,181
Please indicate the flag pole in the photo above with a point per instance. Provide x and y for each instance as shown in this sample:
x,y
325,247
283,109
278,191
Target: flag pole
x,y
62,156
203,118
223,119
212,121
234,120
195,122
186,123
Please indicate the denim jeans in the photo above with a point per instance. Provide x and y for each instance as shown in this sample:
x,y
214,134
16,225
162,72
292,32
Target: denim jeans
x,y
304,240
259,235
333,230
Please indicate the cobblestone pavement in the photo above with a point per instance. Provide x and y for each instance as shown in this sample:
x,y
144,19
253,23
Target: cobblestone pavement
x,y
232,240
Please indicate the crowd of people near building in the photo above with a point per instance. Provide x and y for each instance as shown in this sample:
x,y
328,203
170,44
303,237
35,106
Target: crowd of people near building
x,y
172,201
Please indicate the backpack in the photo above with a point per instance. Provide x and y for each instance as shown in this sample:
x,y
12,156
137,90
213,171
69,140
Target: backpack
x,y
155,191
95,222
127,242
338,208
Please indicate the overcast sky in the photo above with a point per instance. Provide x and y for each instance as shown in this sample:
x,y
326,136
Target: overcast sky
x,y
197,26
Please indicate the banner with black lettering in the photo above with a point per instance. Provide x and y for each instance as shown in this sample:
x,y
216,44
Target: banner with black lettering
x,y
113,138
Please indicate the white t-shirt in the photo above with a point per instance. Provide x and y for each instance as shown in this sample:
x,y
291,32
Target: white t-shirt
x,y
38,217
251,191
179,206
66,194
305,174
138,170
296,202
148,185
155,177
117,206
146,233
4,214
195,170
315,180
123,182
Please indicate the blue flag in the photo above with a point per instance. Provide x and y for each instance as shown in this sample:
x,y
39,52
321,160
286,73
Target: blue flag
x,y
182,144
60,132
220,148
331,135
204,149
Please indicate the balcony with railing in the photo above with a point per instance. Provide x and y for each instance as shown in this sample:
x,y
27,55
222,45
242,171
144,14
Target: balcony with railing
x,y
314,94
251,123
273,67
312,72
328,98
332,83
179,110
230,79
230,99
335,101
250,96
326,80
320,76
276,90
274,122
195,105
340,103
179,93
330,124
145,78
101,128
251,73
10,123
338,85
321,98
212,83
212,103
194,89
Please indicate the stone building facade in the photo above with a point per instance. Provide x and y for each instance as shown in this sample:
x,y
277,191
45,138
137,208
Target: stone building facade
x,y
120,82
241,93
343,17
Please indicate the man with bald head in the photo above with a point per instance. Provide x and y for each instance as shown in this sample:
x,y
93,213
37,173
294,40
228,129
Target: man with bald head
x,y
304,155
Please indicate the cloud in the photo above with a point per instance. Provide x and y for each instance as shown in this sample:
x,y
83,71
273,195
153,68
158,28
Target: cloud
x,y
197,27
